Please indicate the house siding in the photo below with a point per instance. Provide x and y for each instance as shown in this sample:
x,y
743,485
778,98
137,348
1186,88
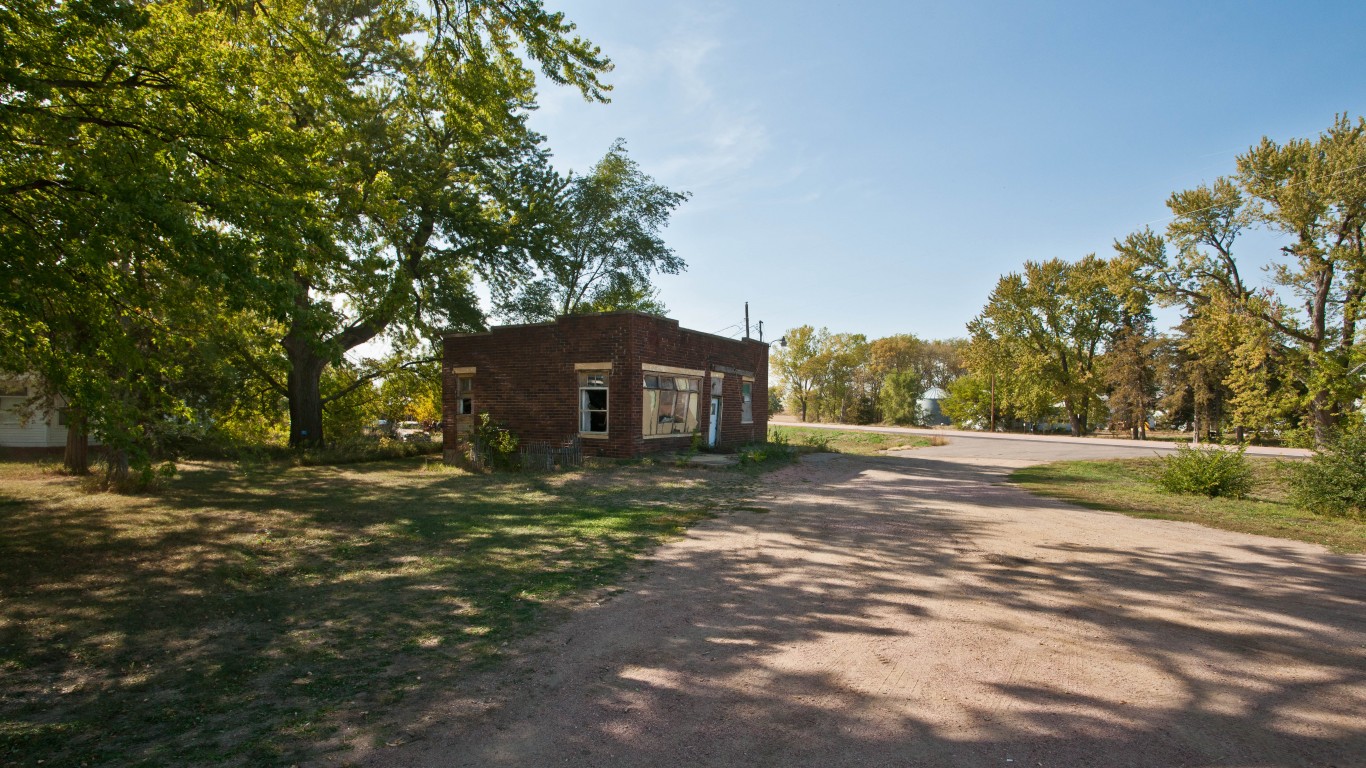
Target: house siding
x,y
525,377
24,429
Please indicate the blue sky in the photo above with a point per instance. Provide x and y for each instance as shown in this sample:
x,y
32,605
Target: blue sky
x,y
876,167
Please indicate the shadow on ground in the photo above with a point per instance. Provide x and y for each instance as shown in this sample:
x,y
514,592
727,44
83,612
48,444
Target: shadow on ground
x,y
916,611
275,617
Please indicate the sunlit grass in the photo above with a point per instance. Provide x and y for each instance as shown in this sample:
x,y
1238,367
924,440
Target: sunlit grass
x,y
1127,486
850,441
247,617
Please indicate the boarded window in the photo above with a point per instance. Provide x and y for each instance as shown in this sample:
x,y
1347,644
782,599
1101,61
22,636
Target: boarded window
x,y
670,405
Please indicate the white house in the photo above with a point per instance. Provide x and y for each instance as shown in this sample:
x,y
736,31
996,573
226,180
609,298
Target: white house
x,y
22,427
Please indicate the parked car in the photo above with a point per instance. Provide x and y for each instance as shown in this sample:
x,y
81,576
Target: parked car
x,y
411,432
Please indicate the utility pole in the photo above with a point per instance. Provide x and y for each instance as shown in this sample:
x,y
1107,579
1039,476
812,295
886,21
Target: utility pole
x,y
992,417
761,330
747,319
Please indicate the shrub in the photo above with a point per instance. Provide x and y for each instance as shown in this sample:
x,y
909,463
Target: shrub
x,y
494,446
777,449
818,442
1206,472
1333,482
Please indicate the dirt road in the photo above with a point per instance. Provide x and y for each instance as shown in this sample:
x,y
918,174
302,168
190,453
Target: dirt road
x,y
914,611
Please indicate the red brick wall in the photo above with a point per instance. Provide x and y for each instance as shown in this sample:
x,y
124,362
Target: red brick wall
x,y
525,378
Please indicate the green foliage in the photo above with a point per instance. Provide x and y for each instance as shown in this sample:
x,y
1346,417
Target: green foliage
x,y
1212,472
900,393
349,403
1042,334
778,438
599,246
797,364
775,399
182,181
778,451
1286,353
411,392
494,446
818,441
968,404
1333,482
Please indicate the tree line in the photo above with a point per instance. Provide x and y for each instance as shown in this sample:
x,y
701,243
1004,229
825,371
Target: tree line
x,y
1075,341
1073,344
847,378
205,206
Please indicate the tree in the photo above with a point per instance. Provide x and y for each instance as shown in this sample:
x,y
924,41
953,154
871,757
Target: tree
x,y
437,179
930,363
838,363
1312,191
900,395
1050,323
798,365
411,393
1129,371
601,245
775,399
1315,192
136,181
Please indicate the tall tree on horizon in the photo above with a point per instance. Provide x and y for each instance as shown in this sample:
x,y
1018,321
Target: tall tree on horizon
x,y
601,245
1053,320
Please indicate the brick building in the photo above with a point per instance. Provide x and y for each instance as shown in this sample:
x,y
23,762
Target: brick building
x,y
626,383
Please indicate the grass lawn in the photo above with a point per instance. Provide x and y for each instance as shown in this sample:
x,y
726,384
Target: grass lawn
x,y
265,615
1123,485
840,441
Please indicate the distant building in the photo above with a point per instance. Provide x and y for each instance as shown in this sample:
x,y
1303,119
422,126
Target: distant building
x,y
25,429
624,383
929,410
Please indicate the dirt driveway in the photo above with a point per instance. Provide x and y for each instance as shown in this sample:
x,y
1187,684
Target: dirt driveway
x,y
914,611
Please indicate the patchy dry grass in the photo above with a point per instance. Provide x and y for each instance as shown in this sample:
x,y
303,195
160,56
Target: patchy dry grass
x,y
1127,485
263,615
850,441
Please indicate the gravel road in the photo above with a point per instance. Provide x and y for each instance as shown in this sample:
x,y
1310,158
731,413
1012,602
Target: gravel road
x,y
913,610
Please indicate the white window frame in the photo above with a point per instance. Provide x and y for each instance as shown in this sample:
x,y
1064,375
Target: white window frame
x,y
585,412
747,401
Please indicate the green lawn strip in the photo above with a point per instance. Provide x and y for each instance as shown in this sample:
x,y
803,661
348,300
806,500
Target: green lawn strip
x,y
850,441
1124,485
246,619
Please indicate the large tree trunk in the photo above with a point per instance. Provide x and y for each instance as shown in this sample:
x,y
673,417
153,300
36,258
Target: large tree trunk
x,y
76,459
305,397
1325,417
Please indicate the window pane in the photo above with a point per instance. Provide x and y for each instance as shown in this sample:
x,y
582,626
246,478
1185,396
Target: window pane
x,y
666,382
681,384
595,399
652,382
692,423
648,404
597,421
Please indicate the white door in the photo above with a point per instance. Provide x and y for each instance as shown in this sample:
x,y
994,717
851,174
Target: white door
x,y
714,422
